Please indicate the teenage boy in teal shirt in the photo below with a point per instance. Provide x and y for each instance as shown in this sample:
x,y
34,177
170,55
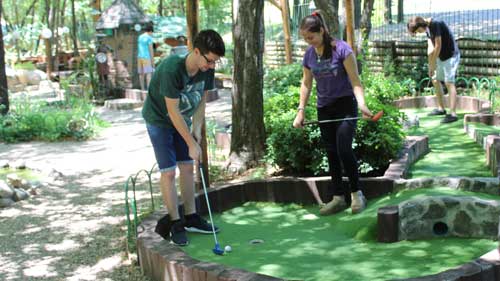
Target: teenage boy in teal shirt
x,y
175,103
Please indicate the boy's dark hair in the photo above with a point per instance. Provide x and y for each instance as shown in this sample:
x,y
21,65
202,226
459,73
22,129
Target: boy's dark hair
x,y
314,23
209,41
148,28
415,23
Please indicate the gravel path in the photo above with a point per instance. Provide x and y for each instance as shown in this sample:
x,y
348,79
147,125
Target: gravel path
x,y
75,230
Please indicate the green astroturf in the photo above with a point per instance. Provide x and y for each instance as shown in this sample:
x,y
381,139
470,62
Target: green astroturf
x,y
453,152
299,244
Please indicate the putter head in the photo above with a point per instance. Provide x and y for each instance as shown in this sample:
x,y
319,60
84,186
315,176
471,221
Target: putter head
x,y
377,116
218,250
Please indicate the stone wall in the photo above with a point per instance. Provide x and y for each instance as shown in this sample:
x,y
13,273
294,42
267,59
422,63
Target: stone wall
x,y
448,216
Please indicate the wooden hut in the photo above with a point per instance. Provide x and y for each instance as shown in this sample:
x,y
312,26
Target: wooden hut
x,y
123,22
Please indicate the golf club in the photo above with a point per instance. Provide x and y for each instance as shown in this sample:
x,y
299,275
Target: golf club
x,y
217,249
375,118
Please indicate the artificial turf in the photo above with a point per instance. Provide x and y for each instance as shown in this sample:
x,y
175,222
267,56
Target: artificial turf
x,y
452,151
299,244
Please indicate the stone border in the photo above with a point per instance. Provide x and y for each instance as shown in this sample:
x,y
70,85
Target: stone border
x,y
463,103
491,143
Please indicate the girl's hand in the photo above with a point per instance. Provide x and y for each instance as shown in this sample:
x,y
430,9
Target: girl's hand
x,y
367,114
299,119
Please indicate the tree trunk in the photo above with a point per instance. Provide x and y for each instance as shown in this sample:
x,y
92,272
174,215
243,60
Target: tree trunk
x,y
357,13
73,29
400,11
55,33
330,10
4,93
48,43
160,8
388,11
366,19
248,133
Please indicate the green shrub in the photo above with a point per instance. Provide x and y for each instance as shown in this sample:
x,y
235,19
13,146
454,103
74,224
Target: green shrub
x,y
278,80
294,150
300,151
74,119
385,88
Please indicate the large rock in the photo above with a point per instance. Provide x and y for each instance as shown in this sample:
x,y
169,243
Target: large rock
x,y
5,190
448,216
30,77
6,202
20,194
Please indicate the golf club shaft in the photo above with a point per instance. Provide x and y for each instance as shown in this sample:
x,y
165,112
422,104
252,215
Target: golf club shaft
x,y
331,120
208,202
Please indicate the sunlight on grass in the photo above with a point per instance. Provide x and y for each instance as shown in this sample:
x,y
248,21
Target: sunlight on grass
x,y
453,153
298,244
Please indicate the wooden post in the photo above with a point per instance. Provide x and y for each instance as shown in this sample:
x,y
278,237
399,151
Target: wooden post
x,y
192,8
286,30
96,4
349,20
48,56
388,224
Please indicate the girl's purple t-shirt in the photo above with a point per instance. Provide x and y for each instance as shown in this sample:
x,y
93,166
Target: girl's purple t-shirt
x,y
332,81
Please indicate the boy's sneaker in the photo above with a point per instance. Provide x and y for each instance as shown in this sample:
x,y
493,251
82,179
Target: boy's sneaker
x,y
178,234
336,205
358,202
436,111
195,223
163,227
449,119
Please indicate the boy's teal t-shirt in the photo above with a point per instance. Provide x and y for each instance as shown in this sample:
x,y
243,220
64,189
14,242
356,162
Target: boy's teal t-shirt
x,y
143,43
172,80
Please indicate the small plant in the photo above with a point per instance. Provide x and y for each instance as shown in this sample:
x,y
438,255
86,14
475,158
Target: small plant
x,y
72,119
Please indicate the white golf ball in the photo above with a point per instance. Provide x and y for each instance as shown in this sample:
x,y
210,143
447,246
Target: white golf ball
x,y
228,248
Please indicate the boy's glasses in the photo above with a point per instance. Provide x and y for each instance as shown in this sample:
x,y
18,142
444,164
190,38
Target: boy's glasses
x,y
211,62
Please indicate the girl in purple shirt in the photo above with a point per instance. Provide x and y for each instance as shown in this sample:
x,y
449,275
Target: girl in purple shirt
x,y
332,64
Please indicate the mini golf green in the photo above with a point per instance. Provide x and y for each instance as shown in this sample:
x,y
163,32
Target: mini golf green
x,y
453,152
299,244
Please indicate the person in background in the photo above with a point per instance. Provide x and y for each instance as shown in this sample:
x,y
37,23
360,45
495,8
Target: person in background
x,y
175,101
145,57
181,48
444,58
332,63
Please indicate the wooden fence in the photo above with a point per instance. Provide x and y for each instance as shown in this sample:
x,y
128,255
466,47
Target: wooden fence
x,y
477,58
